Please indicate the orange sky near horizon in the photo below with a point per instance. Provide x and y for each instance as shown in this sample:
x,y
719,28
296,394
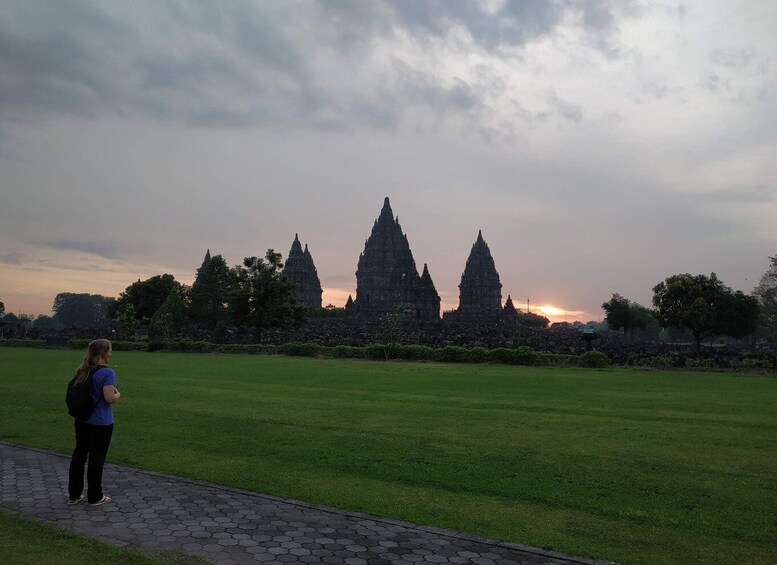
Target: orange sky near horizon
x,y
30,289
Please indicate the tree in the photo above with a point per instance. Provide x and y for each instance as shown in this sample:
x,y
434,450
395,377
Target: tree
x,y
261,297
622,313
210,292
705,306
532,320
43,322
170,318
766,294
74,309
146,296
2,309
24,324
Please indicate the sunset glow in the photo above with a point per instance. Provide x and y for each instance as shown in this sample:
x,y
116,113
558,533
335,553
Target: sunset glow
x,y
551,310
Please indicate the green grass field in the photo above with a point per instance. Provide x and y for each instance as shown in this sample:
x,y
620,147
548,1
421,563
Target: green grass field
x,y
636,467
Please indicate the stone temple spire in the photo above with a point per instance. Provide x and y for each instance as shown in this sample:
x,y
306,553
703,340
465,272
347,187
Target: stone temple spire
x,y
480,292
387,279
509,307
301,270
205,261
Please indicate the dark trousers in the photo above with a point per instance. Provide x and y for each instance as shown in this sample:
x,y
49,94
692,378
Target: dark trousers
x,y
92,442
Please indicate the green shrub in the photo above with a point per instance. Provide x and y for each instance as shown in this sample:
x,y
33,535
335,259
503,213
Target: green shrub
x,y
156,345
749,363
500,355
23,342
269,349
242,348
115,345
593,360
557,359
382,351
694,363
524,356
416,353
451,354
297,349
347,352
477,355
658,362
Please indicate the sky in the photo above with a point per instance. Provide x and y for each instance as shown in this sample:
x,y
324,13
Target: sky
x,y
600,146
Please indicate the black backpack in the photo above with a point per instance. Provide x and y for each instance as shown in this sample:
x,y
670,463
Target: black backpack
x,y
79,399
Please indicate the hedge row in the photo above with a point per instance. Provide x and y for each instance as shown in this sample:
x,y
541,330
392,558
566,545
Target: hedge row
x,y
449,354
23,342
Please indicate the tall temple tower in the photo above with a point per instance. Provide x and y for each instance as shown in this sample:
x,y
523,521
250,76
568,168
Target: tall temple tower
x,y
480,292
387,279
301,270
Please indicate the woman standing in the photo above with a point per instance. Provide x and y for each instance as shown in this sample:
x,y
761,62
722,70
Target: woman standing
x,y
93,435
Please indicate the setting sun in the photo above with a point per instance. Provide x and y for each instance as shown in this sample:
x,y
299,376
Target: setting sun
x,y
551,310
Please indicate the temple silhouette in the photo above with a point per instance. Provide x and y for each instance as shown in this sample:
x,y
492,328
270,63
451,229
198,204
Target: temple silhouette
x,y
387,279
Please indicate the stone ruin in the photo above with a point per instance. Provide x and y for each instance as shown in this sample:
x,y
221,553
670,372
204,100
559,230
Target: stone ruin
x,y
301,270
387,280
480,291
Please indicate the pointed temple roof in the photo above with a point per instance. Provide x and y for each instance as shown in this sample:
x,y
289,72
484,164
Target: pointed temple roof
x,y
387,249
205,261
386,276
301,270
480,291
509,307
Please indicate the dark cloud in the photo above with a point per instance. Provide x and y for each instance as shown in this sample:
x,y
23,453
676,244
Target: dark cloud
x,y
12,258
105,249
566,110
246,63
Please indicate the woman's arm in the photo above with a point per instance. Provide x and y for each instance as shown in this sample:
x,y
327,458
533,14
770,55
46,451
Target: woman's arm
x,y
111,394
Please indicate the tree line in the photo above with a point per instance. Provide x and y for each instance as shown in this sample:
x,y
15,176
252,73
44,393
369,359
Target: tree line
x,y
250,297
255,295
703,305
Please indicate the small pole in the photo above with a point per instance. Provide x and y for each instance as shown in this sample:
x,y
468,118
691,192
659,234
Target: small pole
x,y
528,310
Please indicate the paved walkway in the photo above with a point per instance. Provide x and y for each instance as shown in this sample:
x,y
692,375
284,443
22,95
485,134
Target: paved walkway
x,y
227,525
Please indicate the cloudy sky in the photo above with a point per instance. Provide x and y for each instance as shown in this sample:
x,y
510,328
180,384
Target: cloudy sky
x,y
601,146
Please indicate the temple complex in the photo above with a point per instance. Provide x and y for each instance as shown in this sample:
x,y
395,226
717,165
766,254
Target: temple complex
x,y
387,279
301,270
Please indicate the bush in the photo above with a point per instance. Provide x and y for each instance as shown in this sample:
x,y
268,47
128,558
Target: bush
x,y
23,342
593,360
269,349
557,359
115,345
696,363
659,362
524,356
477,355
155,345
382,351
451,354
500,355
347,352
416,353
297,349
241,348
750,363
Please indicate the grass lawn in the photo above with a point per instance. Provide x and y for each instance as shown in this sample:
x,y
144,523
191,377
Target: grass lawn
x,y
636,467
